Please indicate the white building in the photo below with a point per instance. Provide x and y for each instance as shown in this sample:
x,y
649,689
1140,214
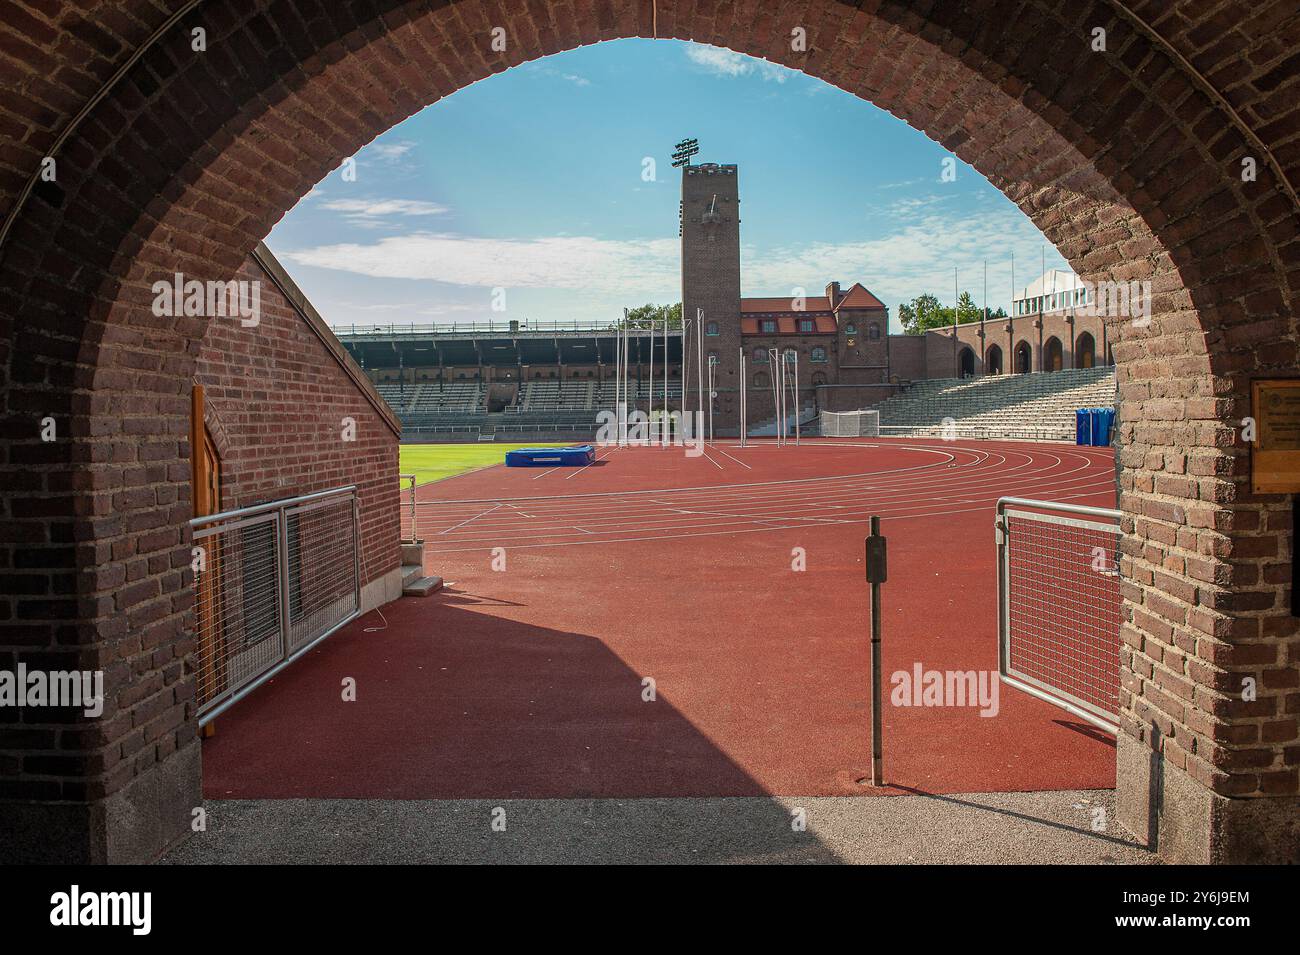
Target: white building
x,y
1057,290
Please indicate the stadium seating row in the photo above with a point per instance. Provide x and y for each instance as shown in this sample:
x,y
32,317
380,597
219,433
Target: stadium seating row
x,y
1036,406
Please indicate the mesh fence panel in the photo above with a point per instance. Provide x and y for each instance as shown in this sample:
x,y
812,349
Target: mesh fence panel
x,y
322,575
237,605
299,558
1062,607
850,424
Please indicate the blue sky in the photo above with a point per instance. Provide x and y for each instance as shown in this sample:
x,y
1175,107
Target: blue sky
x,y
533,181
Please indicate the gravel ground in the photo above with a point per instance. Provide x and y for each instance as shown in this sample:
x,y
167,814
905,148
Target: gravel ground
x,y
1038,827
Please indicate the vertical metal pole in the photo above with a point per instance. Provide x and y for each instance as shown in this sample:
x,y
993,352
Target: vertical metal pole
x,y
798,411
744,418
617,360
282,578
686,365
772,368
356,541
699,367
650,405
785,422
665,419
414,535
710,400
876,574
627,355
627,377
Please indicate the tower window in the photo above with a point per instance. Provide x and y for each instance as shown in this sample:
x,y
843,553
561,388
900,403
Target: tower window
x,y
711,328
850,329
760,356
819,354
873,331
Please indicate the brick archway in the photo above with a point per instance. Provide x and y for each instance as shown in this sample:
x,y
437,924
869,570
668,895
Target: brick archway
x,y
1129,161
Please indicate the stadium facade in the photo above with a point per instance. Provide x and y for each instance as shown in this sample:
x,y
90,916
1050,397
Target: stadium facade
x,y
516,378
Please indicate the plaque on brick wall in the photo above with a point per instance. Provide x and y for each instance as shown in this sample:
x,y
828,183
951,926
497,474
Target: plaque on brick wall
x,y
1275,454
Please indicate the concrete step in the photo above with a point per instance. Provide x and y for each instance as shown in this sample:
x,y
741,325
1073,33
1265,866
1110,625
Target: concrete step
x,y
422,587
412,553
411,572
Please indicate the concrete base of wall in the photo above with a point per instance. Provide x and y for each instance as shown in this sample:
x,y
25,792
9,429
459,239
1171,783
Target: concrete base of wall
x,y
383,589
136,824
1186,823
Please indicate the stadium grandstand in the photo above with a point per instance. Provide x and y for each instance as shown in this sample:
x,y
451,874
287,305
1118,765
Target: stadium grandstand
x,y
510,379
1021,376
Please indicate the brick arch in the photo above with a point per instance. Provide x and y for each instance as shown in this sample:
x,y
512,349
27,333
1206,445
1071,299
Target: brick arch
x,y
1053,354
1126,160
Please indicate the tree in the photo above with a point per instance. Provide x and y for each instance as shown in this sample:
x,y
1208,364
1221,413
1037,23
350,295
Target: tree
x,y
643,315
924,313
921,314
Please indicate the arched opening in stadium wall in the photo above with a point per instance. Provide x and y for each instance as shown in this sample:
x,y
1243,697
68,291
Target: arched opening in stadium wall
x,y
1128,154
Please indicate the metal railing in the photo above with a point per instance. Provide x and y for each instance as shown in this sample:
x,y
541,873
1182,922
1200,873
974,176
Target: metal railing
x,y
271,581
1059,605
524,328
978,432
403,478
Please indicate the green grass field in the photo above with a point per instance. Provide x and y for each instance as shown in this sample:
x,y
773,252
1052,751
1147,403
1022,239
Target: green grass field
x,y
433,462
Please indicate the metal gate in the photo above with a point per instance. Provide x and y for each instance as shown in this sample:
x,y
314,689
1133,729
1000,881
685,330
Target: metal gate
x,y
270,582
1059,605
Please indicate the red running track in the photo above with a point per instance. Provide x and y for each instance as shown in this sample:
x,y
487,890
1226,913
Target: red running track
x,y
527,681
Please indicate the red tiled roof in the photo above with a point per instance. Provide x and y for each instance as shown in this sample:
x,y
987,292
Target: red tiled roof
x,y
859,297
817,303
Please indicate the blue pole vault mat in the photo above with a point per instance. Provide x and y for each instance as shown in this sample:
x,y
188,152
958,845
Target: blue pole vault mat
x,y
579,455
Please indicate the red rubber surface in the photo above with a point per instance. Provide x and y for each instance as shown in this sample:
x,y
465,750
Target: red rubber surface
x,y
528,682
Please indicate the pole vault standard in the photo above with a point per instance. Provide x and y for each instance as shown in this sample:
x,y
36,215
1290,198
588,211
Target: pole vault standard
x,y
744,419
620,393
650,404
686,368
699,369
778,389
628,396
712,395
664,421
797,400
618,357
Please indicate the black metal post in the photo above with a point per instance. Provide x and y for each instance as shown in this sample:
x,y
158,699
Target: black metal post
x,y
876,575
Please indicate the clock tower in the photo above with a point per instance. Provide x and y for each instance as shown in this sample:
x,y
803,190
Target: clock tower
x,y
710,231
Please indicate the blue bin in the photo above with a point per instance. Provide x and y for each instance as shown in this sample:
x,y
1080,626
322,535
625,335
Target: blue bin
x,y
1083,426
1103,419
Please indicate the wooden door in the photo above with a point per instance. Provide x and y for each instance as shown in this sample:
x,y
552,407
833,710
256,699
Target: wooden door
x,y
206,495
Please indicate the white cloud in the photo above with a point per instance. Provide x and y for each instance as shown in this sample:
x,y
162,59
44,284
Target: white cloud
x,y
728,63
389,152
915,256
562,262
375,212
918,257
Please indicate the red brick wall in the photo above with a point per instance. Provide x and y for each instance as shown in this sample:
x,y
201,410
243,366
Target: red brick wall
x,y
276,398
1128,159
907,357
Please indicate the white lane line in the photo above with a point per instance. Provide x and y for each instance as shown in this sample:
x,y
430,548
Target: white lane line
x,y
585,466
474,518
734,458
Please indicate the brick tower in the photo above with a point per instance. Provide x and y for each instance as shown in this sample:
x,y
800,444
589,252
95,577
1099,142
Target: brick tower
x,y
710,227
